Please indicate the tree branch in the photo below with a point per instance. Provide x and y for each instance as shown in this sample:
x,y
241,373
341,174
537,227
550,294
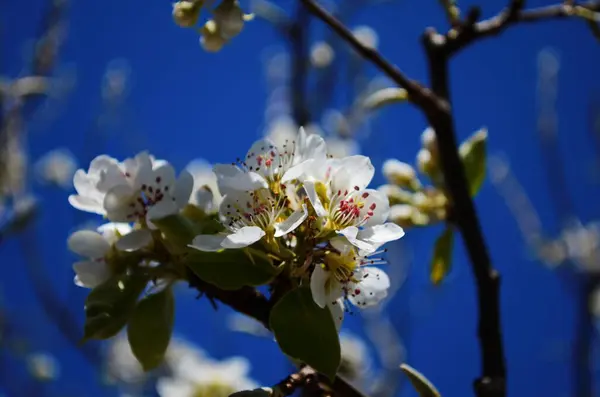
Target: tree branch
x,y
513,14
252,303
435,104
493,380
417,93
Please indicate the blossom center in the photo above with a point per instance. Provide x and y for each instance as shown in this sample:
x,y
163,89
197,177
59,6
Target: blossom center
x,y
260,208
350,208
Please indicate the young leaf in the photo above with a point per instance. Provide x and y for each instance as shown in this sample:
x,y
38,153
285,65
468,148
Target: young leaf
x,y
442,256
177,228
232,269
306,332
421,384
150,326
384,97
473,154
108,306
262,392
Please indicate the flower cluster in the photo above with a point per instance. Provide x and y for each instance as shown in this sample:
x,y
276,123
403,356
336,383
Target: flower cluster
x,y
294,197
416,204
227,20
313,213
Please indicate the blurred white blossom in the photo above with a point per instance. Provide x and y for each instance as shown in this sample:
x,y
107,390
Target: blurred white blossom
x,y
205,193
200,376
366,35
43,366
321,54
57,167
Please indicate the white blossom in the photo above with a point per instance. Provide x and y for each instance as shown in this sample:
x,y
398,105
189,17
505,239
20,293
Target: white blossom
x,y
398,172
205,192
366,35
43,366
202,376
138,189
338,193
94,245
348,274
321,54
248,217
57,167
267,165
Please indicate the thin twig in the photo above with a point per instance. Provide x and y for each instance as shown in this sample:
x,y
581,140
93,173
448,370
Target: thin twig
x,y
513,14
417,93
436,107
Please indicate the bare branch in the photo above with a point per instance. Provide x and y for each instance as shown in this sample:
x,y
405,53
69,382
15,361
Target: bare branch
x,y
513,14
416,92
452,11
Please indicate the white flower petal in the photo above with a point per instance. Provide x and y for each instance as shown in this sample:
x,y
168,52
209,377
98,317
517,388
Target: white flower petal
x,y
372,287
208,242
337,312
163,177
311,192
174,387
118,197
134,241
111,176
86,204
90,274
232,178
88,244
291,223
310,146
376,206
162,209
112,231
353,172
205,200
341,244
297,171
101,162
83,184
350,233
183,188
243,237
318,280
381,234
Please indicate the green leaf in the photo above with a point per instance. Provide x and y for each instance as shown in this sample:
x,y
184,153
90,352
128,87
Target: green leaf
x,y
232,269
108,306
253,393
150,327
178,230
421,384
473,154
442,256
385,97
306,332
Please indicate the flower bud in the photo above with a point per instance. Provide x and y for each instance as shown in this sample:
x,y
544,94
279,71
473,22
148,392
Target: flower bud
x,y
395,194
230,18
429,140
402,214
367,36
473,142
321,54
400,173
186,13
426,163
211,39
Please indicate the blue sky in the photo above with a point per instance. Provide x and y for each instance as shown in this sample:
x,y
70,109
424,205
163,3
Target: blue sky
x,y
188,104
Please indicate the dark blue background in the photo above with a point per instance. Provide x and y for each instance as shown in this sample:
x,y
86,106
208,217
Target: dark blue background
x,y
186,103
